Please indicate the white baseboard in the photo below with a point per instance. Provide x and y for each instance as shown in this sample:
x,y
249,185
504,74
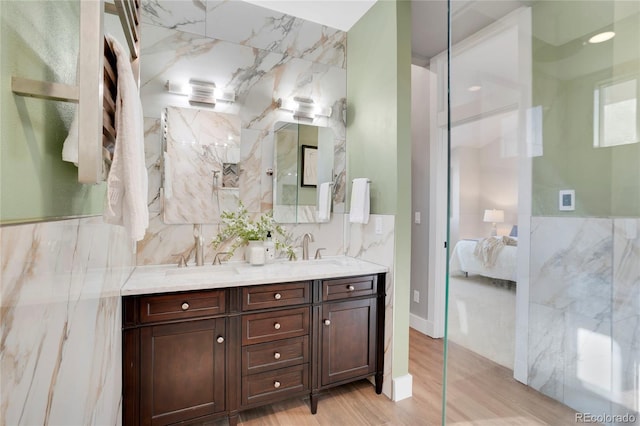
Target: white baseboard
x,y
402,387
422,325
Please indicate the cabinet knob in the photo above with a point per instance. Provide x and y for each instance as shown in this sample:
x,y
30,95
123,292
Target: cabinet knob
x,y
185,306
327,322
276,355
276,384
350,287
220,339
276,326
277,296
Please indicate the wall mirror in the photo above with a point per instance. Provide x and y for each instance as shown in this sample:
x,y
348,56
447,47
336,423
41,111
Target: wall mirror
x,y
303,159
201,165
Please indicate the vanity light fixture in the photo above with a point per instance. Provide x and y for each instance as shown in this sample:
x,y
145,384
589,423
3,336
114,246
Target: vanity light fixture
x,y
602,37
200,91
303,108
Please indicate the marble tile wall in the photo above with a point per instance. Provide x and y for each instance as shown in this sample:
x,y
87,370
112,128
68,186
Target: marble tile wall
x,y
262,55
61,322
584,303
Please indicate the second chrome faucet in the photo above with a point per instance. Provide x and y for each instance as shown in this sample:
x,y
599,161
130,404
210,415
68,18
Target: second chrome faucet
x,y
199,244
305,245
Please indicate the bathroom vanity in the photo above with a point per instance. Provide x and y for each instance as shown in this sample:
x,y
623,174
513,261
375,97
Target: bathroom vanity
x,y
209,342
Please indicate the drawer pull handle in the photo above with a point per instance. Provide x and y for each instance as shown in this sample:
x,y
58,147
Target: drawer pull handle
x,y
277,296
327,322
185,306
276,355
350,287
277,326
276,384
220,339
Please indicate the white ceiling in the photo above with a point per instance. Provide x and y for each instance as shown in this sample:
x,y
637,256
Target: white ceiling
x,y
428,18
332,13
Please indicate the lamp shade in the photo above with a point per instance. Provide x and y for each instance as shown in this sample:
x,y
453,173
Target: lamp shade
x,y
494,216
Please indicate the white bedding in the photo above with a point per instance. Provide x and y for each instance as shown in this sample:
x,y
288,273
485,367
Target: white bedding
x,y
464,261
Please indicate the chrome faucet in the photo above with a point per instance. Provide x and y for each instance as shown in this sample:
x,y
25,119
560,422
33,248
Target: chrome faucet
x,y
305,245
199,244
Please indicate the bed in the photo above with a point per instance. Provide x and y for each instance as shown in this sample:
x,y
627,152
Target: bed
x,y
501,265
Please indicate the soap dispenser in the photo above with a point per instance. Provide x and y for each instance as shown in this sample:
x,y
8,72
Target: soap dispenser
x,y
269,248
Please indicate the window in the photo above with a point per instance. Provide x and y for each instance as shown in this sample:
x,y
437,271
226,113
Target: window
x,y
615,120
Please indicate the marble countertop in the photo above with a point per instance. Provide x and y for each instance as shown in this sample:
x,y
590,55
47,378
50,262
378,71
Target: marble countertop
x,y
170,278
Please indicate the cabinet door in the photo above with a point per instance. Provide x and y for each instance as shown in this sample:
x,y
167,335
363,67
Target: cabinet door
x,y
182,371
347,335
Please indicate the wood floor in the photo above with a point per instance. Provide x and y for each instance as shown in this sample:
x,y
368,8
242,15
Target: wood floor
x,y
479,392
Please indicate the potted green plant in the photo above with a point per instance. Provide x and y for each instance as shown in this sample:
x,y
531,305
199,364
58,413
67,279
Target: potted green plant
x,y
238,227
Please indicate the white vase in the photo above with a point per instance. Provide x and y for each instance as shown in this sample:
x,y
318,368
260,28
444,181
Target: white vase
x,y
253,251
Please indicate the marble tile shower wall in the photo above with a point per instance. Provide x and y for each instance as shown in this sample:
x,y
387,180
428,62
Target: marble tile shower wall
x,y
262,55
61,322
584,313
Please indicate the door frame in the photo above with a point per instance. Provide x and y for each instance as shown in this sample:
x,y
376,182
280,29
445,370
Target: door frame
x,y
529,135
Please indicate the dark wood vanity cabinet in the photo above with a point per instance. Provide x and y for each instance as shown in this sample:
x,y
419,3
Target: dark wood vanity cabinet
x,y
195,356
182,371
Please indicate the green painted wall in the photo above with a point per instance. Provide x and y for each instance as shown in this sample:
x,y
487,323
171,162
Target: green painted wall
x,y
379,138
606,180
39,40
372,104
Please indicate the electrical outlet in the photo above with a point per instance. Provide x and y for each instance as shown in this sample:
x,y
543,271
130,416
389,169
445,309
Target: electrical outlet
x,y
416,218
378,226
416,296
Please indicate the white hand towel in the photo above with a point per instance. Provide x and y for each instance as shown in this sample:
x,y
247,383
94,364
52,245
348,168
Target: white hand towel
x,y
324,202
70,146
359,201
127,183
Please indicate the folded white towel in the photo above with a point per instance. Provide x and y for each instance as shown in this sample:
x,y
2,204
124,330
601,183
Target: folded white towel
x,y
324,202
359,212
127,183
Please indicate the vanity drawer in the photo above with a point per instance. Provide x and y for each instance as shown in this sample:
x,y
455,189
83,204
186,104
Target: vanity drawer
x,y
181,305
275,385
345,288
274,355
275,295
270,326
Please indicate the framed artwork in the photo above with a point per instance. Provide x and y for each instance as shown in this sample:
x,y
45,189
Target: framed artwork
x,y
309,165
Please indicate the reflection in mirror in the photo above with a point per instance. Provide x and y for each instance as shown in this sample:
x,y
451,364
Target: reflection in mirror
x,y
201,165
304,156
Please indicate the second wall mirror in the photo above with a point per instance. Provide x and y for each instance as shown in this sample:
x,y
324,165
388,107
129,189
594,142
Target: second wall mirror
x,y
303,159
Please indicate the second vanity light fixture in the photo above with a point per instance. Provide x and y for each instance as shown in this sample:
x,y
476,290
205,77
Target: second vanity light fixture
x,y
303,108
200,91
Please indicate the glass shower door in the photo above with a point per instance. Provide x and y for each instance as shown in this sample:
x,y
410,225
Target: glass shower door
x,y
543,285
